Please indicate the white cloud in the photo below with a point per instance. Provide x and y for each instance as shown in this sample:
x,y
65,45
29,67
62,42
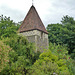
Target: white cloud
x,y
50,11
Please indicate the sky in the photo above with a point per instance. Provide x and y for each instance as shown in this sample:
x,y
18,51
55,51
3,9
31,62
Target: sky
x,y
50,11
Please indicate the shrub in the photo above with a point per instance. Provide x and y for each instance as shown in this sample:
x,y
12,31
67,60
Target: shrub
x,y
21,57
4,50
48,64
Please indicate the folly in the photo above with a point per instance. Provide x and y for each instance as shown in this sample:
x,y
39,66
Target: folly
x,y
33,28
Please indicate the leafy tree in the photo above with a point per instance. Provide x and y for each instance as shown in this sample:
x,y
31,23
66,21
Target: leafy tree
x,y
67,19
63,33
21,57
55,33
49,64
62,52
59,50
69,23
7,27
4,50
56,61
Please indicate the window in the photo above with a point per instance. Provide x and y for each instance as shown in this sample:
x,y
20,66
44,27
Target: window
x,y
41,35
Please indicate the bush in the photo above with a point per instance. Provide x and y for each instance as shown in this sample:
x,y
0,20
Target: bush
x,y
21,57
62,53
4,50
48,64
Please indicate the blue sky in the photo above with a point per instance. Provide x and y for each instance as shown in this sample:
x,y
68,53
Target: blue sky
x,y
50,11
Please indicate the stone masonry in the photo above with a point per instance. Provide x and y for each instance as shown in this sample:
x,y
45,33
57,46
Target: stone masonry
x,y
39,38
33,28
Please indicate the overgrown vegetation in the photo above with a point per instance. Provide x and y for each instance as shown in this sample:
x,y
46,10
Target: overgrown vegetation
x,y
18,57
4,50
63,34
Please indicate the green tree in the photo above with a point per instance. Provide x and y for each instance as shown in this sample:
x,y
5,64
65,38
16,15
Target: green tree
x,y
63,33
21,58
62,52
7,27
69,23
55,33
67,19
4,51
49,64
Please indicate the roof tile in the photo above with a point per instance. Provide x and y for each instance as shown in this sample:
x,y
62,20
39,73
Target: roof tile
x,y
32,21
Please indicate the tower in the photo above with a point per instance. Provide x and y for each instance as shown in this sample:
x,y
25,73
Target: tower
x,y
33,28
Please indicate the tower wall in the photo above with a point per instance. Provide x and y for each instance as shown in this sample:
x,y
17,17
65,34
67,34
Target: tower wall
x,y
38,37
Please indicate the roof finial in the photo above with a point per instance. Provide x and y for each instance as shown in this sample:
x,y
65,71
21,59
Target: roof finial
x,y
32,2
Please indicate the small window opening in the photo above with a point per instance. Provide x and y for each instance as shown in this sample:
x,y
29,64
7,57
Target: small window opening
x,y
41,35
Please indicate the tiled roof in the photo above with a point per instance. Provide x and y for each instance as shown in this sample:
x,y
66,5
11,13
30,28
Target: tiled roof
x,y
32,21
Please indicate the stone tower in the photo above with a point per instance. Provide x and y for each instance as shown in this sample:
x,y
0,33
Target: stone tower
x,y
33,28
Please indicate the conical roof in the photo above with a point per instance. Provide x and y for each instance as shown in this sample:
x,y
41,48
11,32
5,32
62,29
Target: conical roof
x,y
32,21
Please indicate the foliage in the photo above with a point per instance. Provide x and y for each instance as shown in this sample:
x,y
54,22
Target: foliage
x,y
63,34
7,27
62,53
73,66
54,33
60,50
67,19
49,64
21,57
4,50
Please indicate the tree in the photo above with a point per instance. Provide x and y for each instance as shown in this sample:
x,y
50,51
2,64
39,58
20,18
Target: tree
x,y
63,33
55,33
67,19
4,51
21,58
49,64
7,27
69,23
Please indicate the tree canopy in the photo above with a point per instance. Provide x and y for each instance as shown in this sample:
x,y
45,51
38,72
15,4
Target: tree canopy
x,y
63,33
7,27
18,56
